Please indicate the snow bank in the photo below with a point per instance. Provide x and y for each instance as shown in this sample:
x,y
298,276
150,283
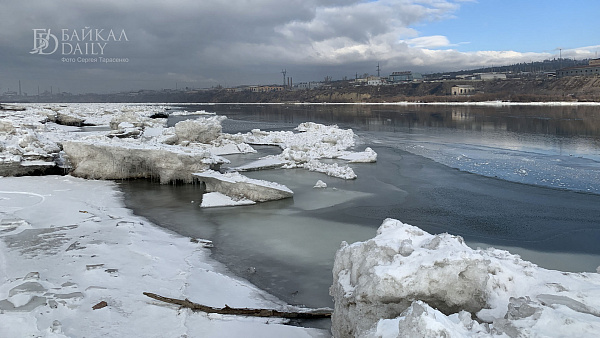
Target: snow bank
x,y
74,263
406,282
240,187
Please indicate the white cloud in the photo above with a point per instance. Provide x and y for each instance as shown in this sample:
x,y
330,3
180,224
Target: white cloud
x,y
434,41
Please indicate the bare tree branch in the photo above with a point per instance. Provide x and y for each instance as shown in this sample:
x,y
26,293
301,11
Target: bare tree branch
x,y
311,314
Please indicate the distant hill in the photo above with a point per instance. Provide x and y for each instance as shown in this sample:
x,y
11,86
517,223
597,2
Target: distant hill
x,y
519,68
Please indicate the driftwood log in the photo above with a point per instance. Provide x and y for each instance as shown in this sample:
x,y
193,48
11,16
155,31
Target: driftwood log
x,y
311,314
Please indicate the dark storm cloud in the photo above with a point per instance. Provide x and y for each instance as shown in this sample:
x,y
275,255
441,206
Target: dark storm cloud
x,y
209,42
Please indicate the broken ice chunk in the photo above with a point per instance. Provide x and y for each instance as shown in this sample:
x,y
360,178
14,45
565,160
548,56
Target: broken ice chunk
x,y
217,199
238,186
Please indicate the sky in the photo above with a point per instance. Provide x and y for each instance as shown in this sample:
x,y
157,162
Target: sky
x,y
201,44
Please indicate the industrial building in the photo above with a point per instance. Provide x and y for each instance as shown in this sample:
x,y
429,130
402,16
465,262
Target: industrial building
x,y
462,90
404,77
593,68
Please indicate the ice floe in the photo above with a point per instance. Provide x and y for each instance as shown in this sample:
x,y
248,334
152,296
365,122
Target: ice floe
x,y
307,147
138,145
406,282
217,199
240,187
186,113
122,160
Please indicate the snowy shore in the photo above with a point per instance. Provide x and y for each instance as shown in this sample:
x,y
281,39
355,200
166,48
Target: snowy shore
x,y
68,244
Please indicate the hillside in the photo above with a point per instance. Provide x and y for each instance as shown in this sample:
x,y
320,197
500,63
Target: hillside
x,y
565,89
513,89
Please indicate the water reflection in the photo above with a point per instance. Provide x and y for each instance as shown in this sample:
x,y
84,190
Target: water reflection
x,y
550,120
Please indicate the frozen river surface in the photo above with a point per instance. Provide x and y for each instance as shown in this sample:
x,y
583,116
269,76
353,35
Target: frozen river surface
x,y
522,178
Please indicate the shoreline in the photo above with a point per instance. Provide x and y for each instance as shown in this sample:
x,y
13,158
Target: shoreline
x,y
96,250
492,103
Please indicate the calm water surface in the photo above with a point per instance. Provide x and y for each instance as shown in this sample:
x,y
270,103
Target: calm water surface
x,y
522,178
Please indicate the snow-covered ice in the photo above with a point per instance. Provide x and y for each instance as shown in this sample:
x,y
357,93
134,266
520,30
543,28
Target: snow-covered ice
x,y
68,244
366,156
406,282
185,113
122,160
305,148
261,164
320,184
217,199
137,145
240,187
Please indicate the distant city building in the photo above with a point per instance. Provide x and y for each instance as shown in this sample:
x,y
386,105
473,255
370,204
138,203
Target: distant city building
x,y
491,76
593,68
374,81
404,76
462,90
309,85
264,89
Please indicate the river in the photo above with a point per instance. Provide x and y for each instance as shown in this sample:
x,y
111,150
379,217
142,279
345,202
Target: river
x,y
523,178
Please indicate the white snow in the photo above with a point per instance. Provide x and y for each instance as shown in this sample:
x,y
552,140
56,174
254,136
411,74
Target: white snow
x,y
132,144
240,187
185,113
406,281
201,130
261,164
306,148
191,145
217,199
320,184
67,244
331,169
366,156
